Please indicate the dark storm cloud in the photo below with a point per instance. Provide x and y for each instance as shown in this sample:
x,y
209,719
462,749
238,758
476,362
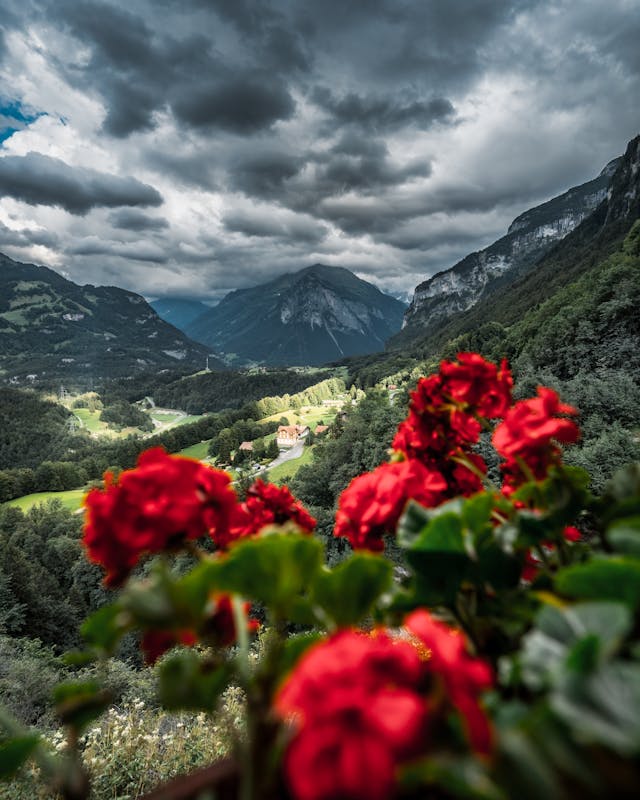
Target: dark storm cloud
x,y
263,174
26,237
383,113
41,180
292,228
134,251
240,105
139,71
132,220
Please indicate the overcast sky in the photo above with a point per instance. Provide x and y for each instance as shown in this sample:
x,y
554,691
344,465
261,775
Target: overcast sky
x,y
190,147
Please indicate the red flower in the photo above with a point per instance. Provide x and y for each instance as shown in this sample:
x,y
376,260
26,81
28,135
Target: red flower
x,y
164,501
268,504
529,434
156,643
463,676
356,716
478,384
372,504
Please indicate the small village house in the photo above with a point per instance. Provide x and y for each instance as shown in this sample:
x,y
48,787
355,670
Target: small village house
x,y
288,435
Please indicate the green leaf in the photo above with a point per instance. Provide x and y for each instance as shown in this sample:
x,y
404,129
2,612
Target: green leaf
x,y
577,639
274,568
609,621
349,591
624,536
493,565
603,708
14,752
437,577
584,656
193,590
416,519
476,511
105,627
79,703
443,534
189,682
616,578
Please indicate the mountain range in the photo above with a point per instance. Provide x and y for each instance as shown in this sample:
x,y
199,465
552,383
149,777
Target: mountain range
x,y
481,274
309,317
53,329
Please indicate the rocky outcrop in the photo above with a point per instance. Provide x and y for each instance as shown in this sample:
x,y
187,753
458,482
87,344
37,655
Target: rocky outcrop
x,y
528,238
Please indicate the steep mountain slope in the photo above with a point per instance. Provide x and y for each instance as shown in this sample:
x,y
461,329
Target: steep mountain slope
x,y
52,329
481,274
178,311
316,315
596,237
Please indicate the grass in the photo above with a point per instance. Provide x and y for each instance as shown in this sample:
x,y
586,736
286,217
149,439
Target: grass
x,y
307,415
289,468
199,450
71,499
164,417
91,420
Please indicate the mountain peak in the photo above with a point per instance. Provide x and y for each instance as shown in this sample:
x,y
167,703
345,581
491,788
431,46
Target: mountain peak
x,y
318,314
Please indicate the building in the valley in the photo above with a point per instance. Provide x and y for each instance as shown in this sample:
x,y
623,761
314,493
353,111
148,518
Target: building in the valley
x,y
288,435
321,429
247,446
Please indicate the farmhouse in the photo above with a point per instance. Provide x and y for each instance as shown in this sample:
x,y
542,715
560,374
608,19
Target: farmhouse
x,y
288,435
248,446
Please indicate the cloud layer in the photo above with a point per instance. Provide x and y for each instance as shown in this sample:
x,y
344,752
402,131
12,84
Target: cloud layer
x,y
198,146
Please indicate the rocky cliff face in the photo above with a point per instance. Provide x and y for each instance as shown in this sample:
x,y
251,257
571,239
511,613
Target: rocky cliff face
x,y
316,315
528,238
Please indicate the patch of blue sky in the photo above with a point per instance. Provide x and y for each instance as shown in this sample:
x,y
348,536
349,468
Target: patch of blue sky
x,y
15,117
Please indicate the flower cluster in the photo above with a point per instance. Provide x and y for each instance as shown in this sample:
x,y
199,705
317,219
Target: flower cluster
x,y
168,500
527,437
362,705
268,504
357,715
435,439
372,504
163,502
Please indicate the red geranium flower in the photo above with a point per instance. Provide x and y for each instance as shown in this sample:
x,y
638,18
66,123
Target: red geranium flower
x,y
372,504
356,716
158,505
268,504
463,676
478,384
529,434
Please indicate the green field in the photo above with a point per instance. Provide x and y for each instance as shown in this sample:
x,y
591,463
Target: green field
x,y
307,415
199,450
91,420
289,468
71,500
